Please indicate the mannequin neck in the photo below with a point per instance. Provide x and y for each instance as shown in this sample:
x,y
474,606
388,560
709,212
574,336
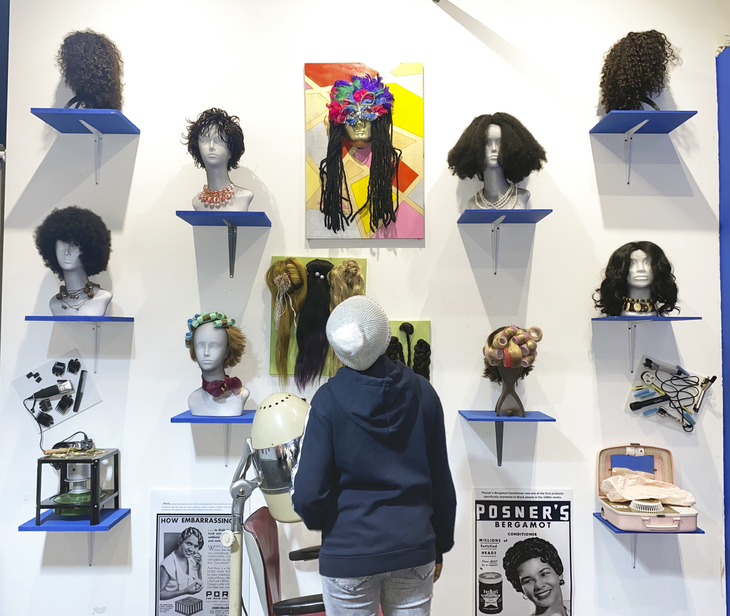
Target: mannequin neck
x,y
75,279
216,374
495,184
639,293
217,177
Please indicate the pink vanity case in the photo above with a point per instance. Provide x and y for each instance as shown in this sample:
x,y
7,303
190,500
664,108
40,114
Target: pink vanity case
x,y
643,516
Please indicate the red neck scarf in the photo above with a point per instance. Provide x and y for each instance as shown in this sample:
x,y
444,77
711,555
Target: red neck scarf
x,y
218,388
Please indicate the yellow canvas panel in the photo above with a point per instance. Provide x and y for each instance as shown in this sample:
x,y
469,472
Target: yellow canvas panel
x,y
402,141
408,68
407,110
312,182
355,171
315,105
360,196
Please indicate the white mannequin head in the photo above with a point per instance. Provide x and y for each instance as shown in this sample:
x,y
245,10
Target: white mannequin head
x,y
640,274
493,146
211,349
68,256
213,149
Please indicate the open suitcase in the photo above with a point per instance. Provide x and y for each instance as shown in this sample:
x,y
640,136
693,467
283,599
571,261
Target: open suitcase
x,y
640,516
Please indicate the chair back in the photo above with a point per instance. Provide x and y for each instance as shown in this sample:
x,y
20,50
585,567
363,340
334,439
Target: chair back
x,y
262,544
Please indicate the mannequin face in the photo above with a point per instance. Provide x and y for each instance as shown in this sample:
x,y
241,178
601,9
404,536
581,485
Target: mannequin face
x,y
494,145
213,150
211,346
540,584
640,273
68,256
360,131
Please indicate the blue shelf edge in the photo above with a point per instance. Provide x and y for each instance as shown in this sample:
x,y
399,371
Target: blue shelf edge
x,y
646,318
531,416
106,121
81,319
188,417
50,522
660,122
512,217
216,219
618,531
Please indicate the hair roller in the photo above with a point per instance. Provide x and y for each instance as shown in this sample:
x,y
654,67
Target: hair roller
x,y
535,333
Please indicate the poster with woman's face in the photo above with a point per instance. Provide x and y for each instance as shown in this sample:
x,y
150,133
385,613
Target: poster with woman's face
x,y
368,145
523,552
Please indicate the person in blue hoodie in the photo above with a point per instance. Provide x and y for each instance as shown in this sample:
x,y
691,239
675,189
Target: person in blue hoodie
x,y
373,474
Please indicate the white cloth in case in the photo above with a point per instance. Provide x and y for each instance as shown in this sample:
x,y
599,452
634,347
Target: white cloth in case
x,y
623,488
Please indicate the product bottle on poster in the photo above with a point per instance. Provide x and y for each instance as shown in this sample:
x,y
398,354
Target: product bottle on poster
x,y
490,593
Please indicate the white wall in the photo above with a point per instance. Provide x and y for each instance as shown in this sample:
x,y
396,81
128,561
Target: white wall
x,y
537,60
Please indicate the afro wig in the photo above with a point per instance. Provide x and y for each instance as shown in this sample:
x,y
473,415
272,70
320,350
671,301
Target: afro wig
x,y
79,227
520,153
635,68
228,129
609,297
92,67
525,550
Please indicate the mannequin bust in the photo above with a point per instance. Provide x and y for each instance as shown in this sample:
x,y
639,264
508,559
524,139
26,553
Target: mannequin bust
x,y
215,343
509,355
75,243
501,152
215,141
638,282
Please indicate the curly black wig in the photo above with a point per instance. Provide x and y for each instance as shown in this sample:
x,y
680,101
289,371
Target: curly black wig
x,y
635,68
311,334
525,550
228,128
79,227
608,298
383,177
92,67
520,154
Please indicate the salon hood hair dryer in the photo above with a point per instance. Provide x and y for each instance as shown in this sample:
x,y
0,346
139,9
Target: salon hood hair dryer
x,y
272,450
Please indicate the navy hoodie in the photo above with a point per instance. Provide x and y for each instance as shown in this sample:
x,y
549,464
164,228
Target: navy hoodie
x,y
373,473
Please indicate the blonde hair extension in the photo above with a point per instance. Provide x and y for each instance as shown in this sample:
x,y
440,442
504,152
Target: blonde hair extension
x,y
345,281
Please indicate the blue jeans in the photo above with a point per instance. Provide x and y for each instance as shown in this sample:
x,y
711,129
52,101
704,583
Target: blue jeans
x,y
406,592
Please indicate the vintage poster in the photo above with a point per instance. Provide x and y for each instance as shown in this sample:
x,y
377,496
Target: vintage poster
x,y
523,552
191,567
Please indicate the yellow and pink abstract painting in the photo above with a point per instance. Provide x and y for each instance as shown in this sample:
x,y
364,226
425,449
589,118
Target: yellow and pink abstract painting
x,y
405,82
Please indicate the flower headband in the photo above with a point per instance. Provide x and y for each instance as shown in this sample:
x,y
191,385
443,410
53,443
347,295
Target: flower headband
x,y
364,98
217,318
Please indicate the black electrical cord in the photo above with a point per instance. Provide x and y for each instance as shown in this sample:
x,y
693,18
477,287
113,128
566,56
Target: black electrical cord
x,y
683,392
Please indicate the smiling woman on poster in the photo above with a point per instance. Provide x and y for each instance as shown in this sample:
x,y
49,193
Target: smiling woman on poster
x,y
181,572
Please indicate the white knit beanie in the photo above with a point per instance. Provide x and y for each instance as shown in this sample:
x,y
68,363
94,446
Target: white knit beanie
x,y
358,332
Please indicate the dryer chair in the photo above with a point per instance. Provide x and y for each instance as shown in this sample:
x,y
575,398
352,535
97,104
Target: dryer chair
x,y
262,544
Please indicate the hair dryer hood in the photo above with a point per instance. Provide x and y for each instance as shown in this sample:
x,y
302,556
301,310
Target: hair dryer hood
x,y
277,428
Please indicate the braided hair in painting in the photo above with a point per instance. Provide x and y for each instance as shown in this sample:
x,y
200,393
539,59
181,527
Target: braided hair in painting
x,y
287,281
92,66
422,358
394,351
609,297
636,68
311,334
520,154
407,329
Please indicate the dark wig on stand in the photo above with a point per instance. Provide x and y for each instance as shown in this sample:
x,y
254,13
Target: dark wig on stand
x,y
311,335
228,129
92,67
635,68
520,154
525,550
384,161
609,297
77,226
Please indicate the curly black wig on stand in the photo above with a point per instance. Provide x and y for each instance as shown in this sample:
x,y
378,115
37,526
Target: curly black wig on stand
x,y
635,68
311,334
520,154
383,177
525,550
77,226
92,67
609,297
228,129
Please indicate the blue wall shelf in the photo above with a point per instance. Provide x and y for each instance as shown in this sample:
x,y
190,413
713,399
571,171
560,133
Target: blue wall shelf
x,y
106,121
631,323
633,534
188,417
498,217
230,219
530,417
642,122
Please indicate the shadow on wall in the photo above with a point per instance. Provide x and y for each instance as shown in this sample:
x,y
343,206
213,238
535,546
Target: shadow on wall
x,y
111,549
662,193
66,177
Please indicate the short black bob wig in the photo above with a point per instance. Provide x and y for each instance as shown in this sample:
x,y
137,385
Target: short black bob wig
x,y
520,153
608,298
92,67
228,128
525,550
79,227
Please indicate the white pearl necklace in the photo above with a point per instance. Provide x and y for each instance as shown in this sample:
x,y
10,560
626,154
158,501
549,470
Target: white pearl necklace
x,y
510,194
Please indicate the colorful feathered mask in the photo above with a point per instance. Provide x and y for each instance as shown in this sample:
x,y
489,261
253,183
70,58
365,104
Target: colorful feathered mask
x,y
362,98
